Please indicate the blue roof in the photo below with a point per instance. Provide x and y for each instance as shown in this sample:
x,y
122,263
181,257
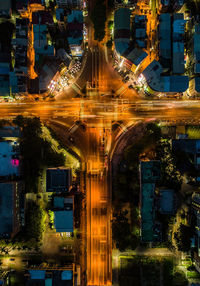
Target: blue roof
x,y
122,19
121,46
75,15
37,274
167,201
58,202
197,84
63,220
48,282
59,14
66,275
6,209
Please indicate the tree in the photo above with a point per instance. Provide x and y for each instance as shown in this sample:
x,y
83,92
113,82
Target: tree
x,y
183,237
121,230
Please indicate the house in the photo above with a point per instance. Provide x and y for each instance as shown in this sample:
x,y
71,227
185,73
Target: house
x,y
58,180
131,56
75,32
12,208
149,175
63,214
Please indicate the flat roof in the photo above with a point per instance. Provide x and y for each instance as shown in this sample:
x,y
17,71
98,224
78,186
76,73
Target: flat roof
x,y
8,164
6,207
63,220
122,19
167,201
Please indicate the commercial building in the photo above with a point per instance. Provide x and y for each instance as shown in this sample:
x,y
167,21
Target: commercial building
x,y
12,208
63,215
149,175
9,159
61,276
73,4
58,180
75,32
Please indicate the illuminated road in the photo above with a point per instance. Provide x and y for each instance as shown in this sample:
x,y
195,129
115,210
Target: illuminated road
x,y
104,108
99,111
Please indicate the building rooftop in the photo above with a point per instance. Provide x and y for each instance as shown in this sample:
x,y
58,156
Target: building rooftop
x,y
159,83
6,208
122,19
63,220
10,131
167,204
165,37
149,174
58,179
9,161
50,278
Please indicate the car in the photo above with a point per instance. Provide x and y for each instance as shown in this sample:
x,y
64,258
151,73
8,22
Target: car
x,y
130,86
12,259
71,139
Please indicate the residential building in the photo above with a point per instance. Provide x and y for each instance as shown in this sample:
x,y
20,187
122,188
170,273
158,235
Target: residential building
x,y
75,32
129,55
160,83
12,208
72,4
191,147
178,43
18,78
167,202
171,52
5,8
58,180
63,215
140,30
61,18
21,5
122,30
42,47
149,175
42,18
165,53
